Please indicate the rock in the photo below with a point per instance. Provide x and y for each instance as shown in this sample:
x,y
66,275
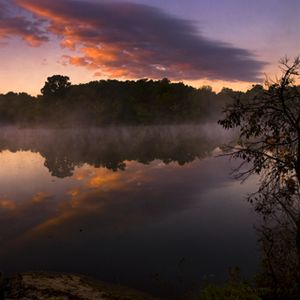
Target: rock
x,y
36,286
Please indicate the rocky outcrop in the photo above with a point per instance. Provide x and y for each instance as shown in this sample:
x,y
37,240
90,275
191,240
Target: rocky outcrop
x,y
36,286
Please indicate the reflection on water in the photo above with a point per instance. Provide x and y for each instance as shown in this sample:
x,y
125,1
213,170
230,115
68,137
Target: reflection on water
x,y
63,150
146,207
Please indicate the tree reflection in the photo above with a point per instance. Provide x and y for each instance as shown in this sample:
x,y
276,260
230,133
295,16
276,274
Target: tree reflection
x,y
111,148
59,166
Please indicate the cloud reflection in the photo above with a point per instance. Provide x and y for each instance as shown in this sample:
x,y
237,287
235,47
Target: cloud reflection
x,y
118,201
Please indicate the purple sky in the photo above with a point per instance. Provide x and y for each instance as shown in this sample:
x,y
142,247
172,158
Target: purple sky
x,y
230,43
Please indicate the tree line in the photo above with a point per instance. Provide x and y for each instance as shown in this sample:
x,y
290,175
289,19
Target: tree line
x,y
108,102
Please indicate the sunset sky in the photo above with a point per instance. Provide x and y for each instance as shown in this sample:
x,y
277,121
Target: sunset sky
x,y
232,43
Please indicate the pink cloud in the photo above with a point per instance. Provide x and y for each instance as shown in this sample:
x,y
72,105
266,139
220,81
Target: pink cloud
x,y
12,25
133,41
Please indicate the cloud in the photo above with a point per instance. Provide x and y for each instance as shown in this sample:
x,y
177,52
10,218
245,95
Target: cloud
x,y
130,40
12,25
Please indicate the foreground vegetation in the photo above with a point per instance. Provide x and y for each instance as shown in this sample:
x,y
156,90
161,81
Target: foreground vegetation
x,y
268,125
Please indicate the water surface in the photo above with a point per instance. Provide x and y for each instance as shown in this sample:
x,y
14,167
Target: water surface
x,y
148,207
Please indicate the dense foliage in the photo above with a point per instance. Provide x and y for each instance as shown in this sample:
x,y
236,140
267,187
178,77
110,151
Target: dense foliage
x,y
235,288
107,102
268,123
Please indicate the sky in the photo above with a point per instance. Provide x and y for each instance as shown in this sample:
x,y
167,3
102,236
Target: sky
x,y
221,43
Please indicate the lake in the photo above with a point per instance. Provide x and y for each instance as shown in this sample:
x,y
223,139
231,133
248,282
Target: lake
x,y
153,208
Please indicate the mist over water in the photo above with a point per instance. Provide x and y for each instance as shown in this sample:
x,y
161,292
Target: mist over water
x,y
149,207
111,147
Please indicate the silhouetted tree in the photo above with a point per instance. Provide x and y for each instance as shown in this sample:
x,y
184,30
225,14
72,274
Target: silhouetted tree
x,y
56,85
268,121
16,108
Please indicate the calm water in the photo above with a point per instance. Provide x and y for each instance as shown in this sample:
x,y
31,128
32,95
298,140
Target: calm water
x,y
148,207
